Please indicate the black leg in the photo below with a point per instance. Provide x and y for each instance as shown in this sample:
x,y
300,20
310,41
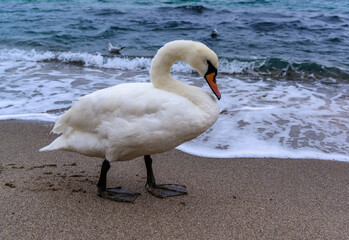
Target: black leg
x,y
150,175
161,190
102,183
117,194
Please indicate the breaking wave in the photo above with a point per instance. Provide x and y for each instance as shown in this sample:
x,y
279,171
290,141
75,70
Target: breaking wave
x,y
268,67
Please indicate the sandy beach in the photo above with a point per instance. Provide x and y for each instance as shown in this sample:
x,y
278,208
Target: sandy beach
x,y
53,195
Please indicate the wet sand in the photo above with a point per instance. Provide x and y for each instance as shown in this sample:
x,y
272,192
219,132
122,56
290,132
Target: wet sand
x,y
53,195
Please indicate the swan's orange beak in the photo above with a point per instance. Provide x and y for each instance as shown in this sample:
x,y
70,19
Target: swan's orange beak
x,y
210,77
211,80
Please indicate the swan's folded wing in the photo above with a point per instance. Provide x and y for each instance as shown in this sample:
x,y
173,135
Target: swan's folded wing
x,y
88,112
125,101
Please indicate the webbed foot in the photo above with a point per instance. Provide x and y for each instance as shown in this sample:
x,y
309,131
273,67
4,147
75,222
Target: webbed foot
x,y
166,190
118,194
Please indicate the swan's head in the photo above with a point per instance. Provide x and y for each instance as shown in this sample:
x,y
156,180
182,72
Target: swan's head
x,y
205,61
197,54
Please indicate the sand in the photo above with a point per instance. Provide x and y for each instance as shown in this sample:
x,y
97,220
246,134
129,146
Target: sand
x,y
53,195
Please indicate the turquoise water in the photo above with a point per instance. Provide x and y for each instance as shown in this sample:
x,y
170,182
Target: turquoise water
x,y
284,65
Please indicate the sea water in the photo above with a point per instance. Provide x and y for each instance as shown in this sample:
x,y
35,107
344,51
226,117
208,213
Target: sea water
x,y
283,70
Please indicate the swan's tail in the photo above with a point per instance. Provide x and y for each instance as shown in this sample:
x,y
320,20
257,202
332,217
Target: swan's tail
x,y
47,148
57,144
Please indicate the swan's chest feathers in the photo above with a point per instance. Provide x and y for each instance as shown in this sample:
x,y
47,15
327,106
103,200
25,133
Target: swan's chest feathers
x,y
130,120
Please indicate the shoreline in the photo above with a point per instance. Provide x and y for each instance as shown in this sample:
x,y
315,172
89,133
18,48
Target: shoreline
x,y
54,195
286,153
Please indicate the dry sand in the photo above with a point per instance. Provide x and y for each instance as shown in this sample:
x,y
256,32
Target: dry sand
x,y
53,195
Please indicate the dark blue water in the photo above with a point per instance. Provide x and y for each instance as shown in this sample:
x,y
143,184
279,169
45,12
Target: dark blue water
x,y
281,38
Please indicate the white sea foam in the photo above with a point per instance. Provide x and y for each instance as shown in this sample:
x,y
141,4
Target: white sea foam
x,y
261,150
277,119
30,116
23,55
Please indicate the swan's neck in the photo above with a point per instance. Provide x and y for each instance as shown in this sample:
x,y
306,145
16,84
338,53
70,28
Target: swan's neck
x,y
161,78
161,66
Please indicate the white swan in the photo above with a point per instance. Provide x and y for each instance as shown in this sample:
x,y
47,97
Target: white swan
x,y
139,119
